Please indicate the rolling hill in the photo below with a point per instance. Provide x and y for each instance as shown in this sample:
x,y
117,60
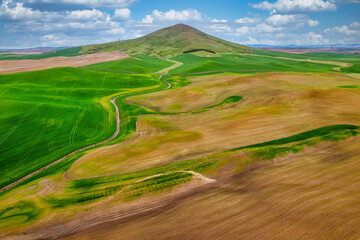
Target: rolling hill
x,y
169,42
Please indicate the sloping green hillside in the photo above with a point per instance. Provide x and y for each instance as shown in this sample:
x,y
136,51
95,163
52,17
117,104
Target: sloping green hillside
x,y
137,64
170,42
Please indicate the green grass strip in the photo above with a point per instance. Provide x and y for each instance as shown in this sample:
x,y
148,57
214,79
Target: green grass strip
x,y
325,132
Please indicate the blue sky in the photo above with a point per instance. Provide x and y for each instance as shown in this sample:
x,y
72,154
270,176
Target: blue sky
x,y
52,23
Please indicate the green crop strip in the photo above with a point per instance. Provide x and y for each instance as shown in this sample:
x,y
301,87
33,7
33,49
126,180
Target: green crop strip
x,y
156,184
351,86
23,211
130,190
312,137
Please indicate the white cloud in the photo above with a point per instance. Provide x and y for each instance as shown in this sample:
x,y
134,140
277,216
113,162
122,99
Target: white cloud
x,y
147,19
93,14
315,39
220,28
344,1
60,28
48,37
15,10
258,29
115,31
295,6
122,14
313,23
248,21
355,25
55,40
352,30
89,3
172,15
281,20
298,20
265,28
219,21
10,10
243,30
283,38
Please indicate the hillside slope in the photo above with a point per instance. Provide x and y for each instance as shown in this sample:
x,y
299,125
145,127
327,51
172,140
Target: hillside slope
x,y
170,42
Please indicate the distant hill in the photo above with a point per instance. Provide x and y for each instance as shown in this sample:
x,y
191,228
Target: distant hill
x,y
171,41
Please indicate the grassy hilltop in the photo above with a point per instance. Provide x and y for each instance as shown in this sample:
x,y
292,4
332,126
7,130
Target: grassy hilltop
x,y
170,41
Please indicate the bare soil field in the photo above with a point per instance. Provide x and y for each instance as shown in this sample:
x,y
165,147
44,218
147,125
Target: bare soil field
x,y
14,66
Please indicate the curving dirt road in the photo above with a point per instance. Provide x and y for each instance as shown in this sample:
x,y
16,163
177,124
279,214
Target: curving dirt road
x,y
80,149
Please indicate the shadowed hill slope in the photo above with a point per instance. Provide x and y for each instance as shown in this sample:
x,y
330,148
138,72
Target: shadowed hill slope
x,y
170,42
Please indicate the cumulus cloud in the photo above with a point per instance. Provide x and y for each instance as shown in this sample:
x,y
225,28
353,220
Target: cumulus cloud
x,y
48,37
88,3
312,38
172,15
248,20
10,10
266,28
258,29
148,19
61,28
93,14
15,11
355,25
344,1
122,14
243,30
220,28
280,38
296,6
219,21
291,20
352,30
